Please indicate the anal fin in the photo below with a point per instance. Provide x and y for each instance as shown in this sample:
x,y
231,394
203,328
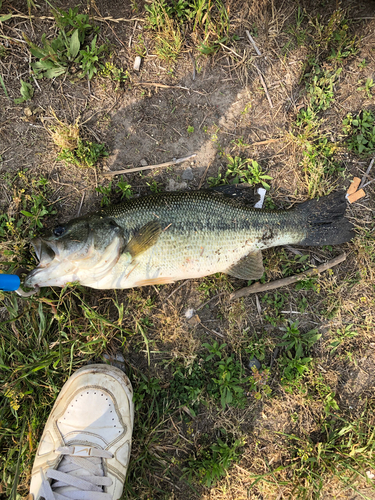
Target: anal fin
x,y
249,267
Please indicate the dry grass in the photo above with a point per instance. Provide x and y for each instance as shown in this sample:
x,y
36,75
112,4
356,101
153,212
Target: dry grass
x,y
64,135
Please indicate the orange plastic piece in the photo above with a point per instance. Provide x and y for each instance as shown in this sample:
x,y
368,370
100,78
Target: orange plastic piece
x,y
356,196
354,185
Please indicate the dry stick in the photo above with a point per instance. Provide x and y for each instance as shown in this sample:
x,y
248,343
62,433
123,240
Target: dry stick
x,y
164,86
95,18
367,183
253,42
268,141
263,85
230,50
176,289
210,300
194,65
150,167
204,176
80,205
366,174
258,287
256,67
211,331
110,27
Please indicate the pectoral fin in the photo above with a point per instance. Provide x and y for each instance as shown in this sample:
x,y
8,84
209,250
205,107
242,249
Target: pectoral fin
x,y
248,268
143,239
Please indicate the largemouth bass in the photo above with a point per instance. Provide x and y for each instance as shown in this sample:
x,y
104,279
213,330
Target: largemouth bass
x,y
167,237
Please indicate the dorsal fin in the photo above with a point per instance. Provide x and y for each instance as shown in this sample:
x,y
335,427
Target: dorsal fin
x,y
241,192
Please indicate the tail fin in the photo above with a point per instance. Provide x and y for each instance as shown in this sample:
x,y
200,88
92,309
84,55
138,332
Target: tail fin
x,y
326,224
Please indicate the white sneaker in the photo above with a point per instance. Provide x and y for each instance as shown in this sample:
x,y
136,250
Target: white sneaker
x,y
85,447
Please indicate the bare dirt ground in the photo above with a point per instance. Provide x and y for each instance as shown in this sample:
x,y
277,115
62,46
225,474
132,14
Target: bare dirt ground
x,y
147,119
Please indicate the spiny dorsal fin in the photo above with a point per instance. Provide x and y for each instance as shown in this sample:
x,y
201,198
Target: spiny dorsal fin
x,y
144,238
243,193
249,267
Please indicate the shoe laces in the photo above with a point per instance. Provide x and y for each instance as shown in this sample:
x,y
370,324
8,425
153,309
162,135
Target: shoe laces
x,y
79,475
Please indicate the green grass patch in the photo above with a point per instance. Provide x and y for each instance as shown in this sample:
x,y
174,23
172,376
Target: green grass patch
x,y
241,170
360,130
74,51
207,22
86,154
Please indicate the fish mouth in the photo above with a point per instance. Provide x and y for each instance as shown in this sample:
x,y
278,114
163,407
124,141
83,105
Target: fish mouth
x,y
59,265
45,251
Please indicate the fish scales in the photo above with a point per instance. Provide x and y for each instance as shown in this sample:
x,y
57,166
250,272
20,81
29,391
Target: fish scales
x,y
203,233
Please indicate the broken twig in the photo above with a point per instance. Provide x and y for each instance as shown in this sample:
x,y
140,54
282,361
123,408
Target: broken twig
x,y
164,86
263,85
95,18
364,178
268,141
259,287
150,167
253,43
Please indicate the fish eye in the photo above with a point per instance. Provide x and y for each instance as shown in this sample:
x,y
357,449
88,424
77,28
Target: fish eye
x,y
59,231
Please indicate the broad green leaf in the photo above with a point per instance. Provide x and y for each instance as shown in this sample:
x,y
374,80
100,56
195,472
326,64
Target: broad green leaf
x,y
74,44
19,100
54,72
36,52
3,85
5,18
43,65
27,90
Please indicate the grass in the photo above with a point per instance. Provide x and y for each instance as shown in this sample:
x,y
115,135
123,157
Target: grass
x,y
73,148
206,21
25,218
86,154
344,451
42,342
206,425
330,45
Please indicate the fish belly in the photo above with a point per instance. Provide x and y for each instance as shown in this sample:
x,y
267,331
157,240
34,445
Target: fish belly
x,y
179,256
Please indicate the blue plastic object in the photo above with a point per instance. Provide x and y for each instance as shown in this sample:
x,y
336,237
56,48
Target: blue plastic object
x,y
9,282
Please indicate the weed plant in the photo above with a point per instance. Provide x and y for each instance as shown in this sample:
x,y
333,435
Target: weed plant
x,y
26,91
369,84
217,376
207,20
360,130
71,51
211,461
122,188
73,149
25,216
295,361
86,154
241,170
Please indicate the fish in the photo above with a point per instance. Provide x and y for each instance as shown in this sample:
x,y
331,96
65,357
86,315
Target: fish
x,y
165,237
